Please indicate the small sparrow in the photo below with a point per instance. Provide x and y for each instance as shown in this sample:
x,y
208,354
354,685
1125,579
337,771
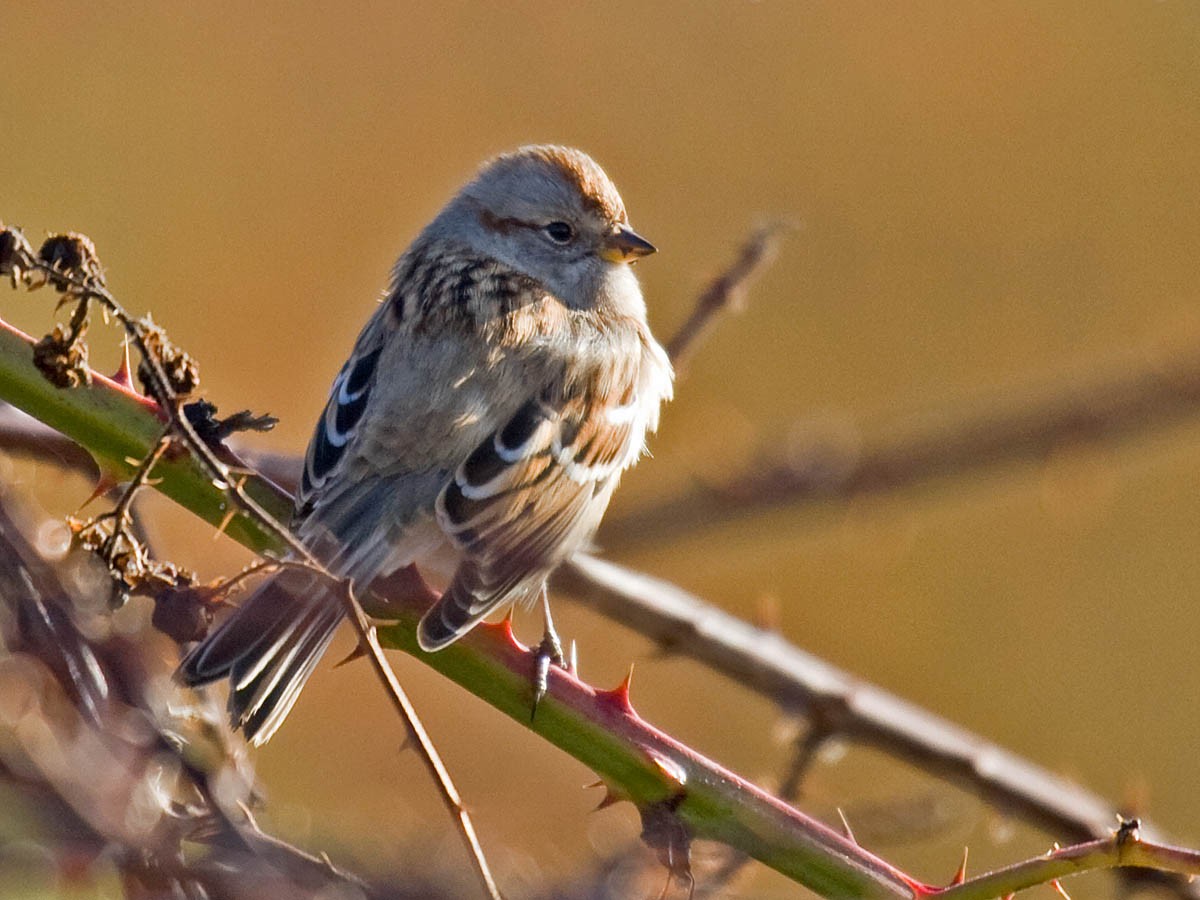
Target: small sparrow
x,y
478,429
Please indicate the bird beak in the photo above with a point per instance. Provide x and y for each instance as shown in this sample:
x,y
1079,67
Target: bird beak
x,y
625,245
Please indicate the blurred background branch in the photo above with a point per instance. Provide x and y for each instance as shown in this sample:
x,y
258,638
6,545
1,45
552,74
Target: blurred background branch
x,y
835,703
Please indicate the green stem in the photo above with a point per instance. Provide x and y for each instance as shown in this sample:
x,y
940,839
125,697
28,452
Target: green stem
x,y
119,427
636,761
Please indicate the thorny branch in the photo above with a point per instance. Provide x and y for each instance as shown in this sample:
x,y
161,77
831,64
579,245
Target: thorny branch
x,y
1181,859
837,702
69,263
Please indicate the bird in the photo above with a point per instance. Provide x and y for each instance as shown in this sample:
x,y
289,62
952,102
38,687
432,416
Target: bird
x,y
505,381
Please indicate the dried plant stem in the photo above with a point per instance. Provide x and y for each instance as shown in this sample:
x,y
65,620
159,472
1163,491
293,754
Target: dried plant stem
x,y
1079,412
88,289
34,593
727,291
428,752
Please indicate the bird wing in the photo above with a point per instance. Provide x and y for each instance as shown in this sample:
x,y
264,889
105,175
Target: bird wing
x,y
338,424
528,496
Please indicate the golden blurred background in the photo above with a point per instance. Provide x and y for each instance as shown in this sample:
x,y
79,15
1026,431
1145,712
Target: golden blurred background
x,y
990,199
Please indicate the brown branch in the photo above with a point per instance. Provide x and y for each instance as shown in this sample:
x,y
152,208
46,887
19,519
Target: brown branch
x,y
24,436
726,292
1085,412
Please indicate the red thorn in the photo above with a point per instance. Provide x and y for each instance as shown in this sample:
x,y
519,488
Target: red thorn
x,y
124,374
106,483
505,630
620,694
609,799
1057,885
961,875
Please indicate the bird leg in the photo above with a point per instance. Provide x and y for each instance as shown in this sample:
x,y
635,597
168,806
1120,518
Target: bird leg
x,y
548,652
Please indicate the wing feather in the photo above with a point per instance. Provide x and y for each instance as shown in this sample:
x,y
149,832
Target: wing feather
x,y
528,496
348,399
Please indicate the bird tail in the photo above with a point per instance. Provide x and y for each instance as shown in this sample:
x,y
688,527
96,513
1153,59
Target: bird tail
x,y
470,598
268,648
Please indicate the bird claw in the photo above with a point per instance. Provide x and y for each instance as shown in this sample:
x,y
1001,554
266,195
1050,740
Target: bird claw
x,y
549,652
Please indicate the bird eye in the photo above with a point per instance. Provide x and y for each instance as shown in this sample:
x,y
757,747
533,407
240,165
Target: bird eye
x,y
560,232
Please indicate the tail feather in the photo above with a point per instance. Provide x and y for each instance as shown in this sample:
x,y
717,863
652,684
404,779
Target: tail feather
x,y
470,598
268,648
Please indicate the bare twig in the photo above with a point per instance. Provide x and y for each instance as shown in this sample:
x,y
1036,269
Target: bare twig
x,y
726,292
1081,412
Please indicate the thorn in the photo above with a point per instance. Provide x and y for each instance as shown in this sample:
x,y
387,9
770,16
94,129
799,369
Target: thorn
x,y
961,875
124,374
610,796
358,653
620,694
1062,892
105,484
505,630
607,800
846,832
224,523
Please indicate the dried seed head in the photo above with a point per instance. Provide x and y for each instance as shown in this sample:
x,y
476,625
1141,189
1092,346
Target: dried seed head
x,y
73,255
62,357
182,372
